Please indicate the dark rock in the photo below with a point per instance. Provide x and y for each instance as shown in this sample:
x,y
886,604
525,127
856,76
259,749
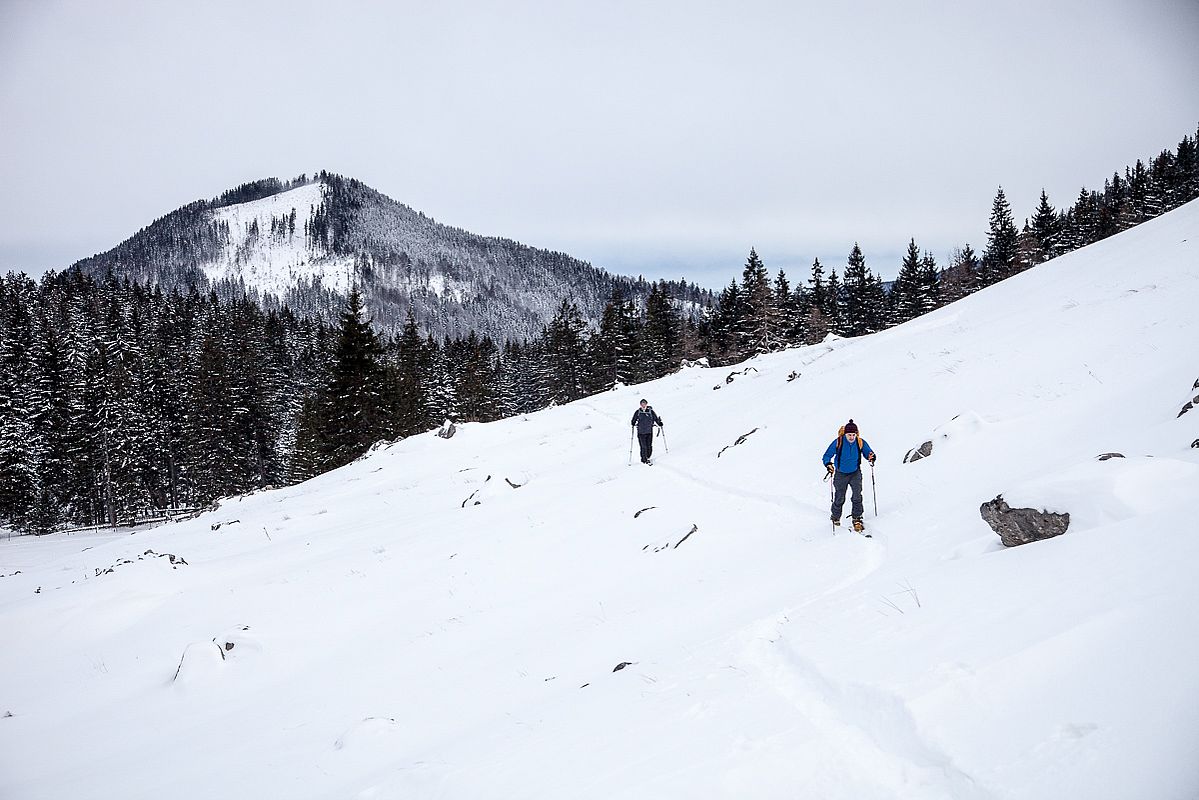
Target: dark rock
x,y
1106,456
694,528
622,665
924,451
1195,444
1017,526
447,430
735,373
740,440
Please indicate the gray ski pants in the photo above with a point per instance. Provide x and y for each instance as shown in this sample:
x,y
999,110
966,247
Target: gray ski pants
x,y
841,482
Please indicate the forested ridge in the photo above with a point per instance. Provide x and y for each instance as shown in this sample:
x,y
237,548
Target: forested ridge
x,y
119,395
450,280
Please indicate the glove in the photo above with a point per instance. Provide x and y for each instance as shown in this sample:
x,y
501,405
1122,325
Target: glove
x,y
870,458
830,469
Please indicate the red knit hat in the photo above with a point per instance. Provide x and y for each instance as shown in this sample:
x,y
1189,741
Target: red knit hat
x,y
850,427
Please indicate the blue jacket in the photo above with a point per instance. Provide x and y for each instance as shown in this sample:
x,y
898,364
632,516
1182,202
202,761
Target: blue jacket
x,y
850,460
645,420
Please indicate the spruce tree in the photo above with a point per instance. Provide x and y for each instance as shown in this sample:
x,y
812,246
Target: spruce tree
x,y
353,416
1046,227
754,331
407,391
565,349
905,299
1000,255
865,299
837,307
663,333
725,324
929,284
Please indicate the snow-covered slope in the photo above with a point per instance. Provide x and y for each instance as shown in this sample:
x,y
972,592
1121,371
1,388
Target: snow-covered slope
x,y
273,263
445,618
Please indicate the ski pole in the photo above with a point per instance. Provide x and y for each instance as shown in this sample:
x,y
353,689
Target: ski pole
x,y
873,489
662,433
831,496
631,446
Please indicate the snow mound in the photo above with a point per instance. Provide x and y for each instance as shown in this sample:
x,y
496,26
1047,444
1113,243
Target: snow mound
x,y
1098,493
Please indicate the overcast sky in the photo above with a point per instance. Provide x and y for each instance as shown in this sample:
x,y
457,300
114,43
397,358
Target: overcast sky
x,y
655,138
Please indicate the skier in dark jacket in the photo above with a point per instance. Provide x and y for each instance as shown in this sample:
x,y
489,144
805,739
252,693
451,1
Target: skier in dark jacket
x,y
644,418
843,460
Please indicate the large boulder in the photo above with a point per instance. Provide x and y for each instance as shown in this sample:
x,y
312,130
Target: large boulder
x,y
1017,526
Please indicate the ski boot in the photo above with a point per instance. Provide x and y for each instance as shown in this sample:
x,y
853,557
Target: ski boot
x,y
858,526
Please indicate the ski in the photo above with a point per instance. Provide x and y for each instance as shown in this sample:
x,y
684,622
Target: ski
x,y
859,531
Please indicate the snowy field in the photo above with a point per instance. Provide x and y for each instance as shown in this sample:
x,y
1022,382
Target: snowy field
x,y
444,618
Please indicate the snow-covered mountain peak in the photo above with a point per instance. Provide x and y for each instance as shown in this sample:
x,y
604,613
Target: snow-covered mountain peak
x,y
345,233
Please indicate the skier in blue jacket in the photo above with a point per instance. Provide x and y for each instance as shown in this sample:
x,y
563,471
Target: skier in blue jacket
x,y
644,419
843,460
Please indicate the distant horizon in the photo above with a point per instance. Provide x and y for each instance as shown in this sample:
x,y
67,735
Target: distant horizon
x,y
676,266
662,139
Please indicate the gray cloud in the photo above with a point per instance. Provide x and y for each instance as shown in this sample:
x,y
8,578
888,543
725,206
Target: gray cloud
x,y
640,136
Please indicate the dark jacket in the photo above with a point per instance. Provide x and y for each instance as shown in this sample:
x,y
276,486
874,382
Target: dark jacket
x,y
645,420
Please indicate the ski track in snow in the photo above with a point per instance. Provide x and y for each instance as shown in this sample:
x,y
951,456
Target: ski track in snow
x,y
869,731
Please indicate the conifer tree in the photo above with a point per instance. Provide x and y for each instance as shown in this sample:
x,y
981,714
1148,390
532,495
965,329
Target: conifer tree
x,y
1000,255
864,297
353,416
439,378
1046,227
725,324
754,332
663,333
408,393
905,298
565,350
816,320
787,315
476,384
837,310
615,346
507,385
929,285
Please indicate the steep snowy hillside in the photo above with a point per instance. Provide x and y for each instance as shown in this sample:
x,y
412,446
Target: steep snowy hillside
x,y
519,612
274,261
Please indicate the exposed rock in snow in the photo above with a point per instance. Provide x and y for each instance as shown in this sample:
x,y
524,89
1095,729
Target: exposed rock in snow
x,y
1017,526
923,451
